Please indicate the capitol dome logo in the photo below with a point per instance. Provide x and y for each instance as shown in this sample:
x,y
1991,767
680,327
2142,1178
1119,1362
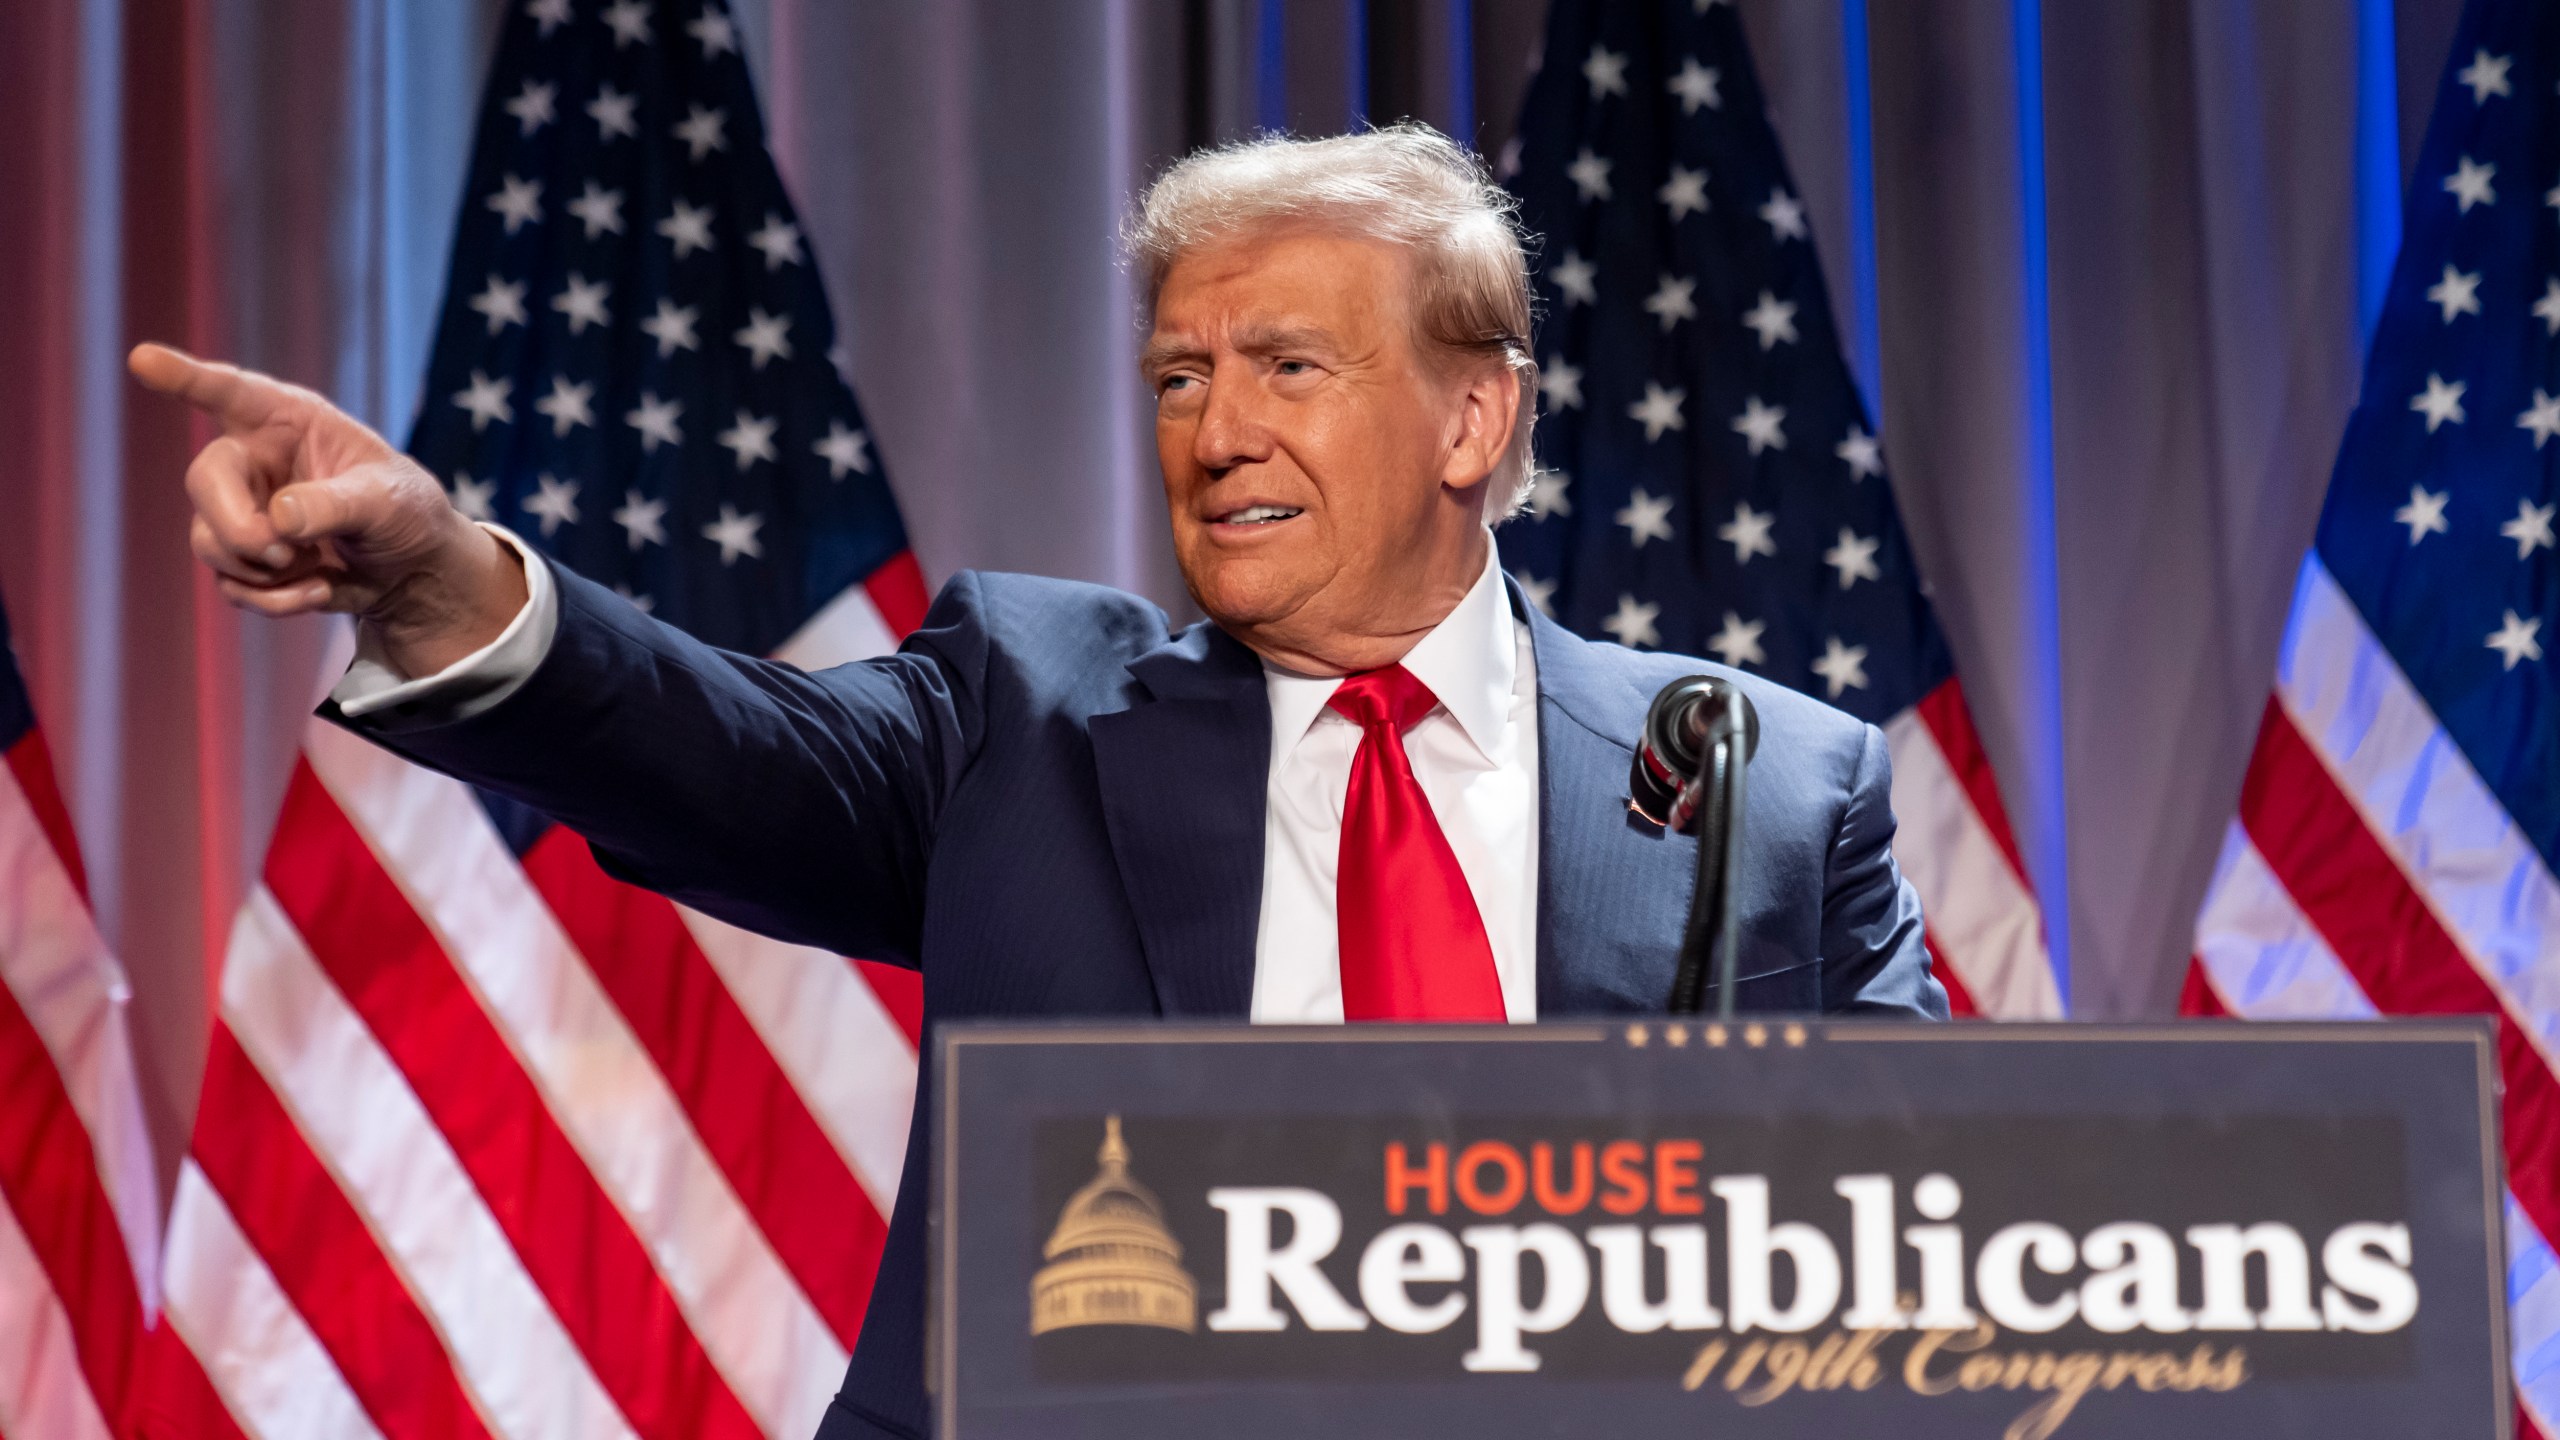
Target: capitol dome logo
x,y
1112,1260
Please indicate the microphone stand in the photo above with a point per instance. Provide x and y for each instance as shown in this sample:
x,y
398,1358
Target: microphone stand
x,y
1715,795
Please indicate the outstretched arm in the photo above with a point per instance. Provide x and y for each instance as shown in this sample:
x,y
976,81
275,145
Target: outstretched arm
x,y
798,805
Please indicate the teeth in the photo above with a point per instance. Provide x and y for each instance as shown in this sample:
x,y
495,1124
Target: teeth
x,y
1257,514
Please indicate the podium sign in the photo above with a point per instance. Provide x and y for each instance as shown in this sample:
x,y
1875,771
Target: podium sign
x,y
1764,1230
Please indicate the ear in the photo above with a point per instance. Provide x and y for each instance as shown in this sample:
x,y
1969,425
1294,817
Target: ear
x,y
1488,412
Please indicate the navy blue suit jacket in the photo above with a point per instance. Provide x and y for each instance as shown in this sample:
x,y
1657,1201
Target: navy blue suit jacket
x,y
1054,807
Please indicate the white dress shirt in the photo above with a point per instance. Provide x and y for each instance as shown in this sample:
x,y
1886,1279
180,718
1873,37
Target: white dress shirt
x,y
1475,755
477,680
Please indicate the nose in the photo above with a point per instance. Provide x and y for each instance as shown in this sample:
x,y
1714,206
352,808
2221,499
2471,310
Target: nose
x,y
1232,430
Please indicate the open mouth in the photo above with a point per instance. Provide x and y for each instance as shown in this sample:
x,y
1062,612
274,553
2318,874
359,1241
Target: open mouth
x,y
1254,515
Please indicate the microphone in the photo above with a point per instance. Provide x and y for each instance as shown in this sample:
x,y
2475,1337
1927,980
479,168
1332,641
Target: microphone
x,y
1662,781
1687,777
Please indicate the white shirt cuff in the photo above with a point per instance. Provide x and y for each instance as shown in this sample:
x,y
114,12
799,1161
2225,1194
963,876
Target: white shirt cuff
x,y
471,684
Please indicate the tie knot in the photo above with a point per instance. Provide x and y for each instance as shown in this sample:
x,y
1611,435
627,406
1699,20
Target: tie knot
x,y
1390,697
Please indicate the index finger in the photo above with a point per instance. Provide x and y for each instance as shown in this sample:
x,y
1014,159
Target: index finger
x,y
236,397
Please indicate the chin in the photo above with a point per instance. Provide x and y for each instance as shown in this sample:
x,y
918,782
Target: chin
x,y
1242,593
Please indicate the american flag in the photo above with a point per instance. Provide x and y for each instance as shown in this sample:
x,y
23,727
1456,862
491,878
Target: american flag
x,y
491,1144
79,1206
1710,480
2399,829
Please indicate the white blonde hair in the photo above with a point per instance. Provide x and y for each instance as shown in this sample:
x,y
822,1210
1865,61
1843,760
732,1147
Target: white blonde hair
x,y
1406,185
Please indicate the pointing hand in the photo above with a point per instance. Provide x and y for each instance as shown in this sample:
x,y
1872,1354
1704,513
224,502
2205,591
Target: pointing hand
x,y
301,508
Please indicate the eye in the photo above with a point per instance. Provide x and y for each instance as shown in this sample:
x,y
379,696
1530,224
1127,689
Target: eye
x,y
1172,383
1294,367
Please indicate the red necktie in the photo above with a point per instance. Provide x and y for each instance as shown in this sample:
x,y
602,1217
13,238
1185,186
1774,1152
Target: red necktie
x,y
1413,946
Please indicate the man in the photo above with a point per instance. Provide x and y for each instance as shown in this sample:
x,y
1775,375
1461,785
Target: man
x,y
1377,785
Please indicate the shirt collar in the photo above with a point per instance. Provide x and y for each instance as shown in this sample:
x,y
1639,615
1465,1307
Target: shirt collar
x,y
1469,660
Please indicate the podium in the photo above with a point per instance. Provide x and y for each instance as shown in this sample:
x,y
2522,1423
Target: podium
x,y
1774,1229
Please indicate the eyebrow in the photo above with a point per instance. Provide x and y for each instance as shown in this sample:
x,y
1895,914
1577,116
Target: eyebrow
x,y
1256,339
1267,339
1160,355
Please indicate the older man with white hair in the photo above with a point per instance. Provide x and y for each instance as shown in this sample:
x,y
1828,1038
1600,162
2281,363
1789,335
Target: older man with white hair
x,y
1376,785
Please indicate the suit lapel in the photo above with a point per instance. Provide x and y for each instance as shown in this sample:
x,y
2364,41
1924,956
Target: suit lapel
x,y
1613,892
1184,775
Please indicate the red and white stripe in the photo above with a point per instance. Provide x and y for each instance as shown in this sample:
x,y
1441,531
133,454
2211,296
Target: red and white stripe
x,y
2371,871
1954,842
79,1210
500,1148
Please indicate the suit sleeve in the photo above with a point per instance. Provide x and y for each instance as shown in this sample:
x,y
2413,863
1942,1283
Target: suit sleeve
x,y
1873,959
797,805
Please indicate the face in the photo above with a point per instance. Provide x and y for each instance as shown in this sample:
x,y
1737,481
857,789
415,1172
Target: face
x,y
1326,483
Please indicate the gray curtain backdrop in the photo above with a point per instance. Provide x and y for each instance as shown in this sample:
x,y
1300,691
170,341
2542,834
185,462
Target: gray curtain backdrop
x,y
2203,262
